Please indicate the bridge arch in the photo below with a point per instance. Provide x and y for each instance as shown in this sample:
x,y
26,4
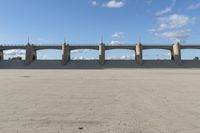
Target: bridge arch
x,y
11,54
157,54
49,54
120,54
48,48
190,54
120,47
84,54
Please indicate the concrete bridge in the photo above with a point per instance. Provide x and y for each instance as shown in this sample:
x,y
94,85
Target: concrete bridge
x,y
31,50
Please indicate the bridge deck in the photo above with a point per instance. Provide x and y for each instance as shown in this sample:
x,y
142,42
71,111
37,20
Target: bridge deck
x,y
96,47
190,46
168,47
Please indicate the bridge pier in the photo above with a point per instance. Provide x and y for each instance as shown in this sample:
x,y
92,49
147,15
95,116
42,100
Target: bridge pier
x,y
1,55
101,53
31,54
138,54
65,54
172,56
176,53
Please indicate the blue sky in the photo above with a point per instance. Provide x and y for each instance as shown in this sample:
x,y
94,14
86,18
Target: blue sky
x,y
85,21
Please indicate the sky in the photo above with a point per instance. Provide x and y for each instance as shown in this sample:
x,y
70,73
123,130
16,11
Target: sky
x,y
115,22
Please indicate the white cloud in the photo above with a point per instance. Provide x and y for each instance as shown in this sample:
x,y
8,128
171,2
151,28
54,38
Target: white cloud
x,y
118,35
167,9
94,3
152,30
174,27
123,57
114,4
194,6
112,58
21,53
164,11
117,38
14,53
115,43
41,56
75,51
175,36
83,58
172,22
80,50
175,21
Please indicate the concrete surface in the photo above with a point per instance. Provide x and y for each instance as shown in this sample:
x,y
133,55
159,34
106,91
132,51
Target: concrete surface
x,y
100,101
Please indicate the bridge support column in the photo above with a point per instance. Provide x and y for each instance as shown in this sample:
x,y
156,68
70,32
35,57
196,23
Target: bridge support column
x,y
176,53
138,54
1,55
101,53
31,54
65,54
172,56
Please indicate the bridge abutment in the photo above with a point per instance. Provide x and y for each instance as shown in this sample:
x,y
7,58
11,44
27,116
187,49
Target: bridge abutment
x,y
1,55
138,54
176,53
65,54
31,54
101,53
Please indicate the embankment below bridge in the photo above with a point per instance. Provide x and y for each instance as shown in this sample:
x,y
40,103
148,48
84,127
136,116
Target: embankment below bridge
x,y
94,64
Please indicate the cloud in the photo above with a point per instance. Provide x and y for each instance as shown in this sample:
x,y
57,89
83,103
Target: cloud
x,y
41,56
114,4
14,53
164,11
118,35
83,58
194,6
80,50
76,51
173,27
175,36
123,57
21,53
115,43
117,38
175,21
94,3
167,9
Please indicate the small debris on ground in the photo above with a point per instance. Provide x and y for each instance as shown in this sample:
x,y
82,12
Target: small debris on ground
x,y
80,128
26,76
